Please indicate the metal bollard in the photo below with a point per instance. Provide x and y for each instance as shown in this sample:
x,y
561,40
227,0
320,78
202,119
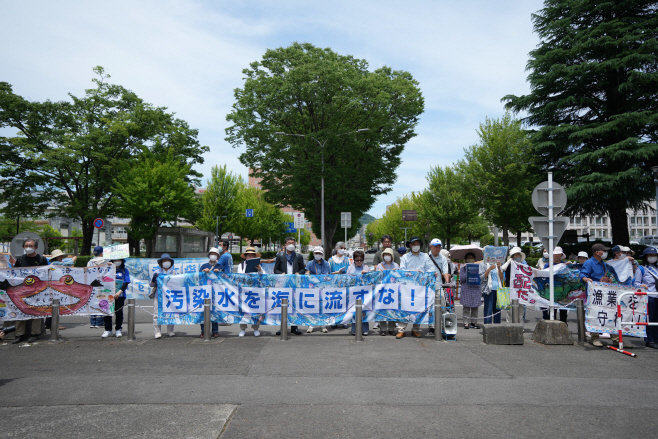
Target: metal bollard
x,y
580,312
284,320
54,324
207,329
437,315
516,312
358,331
131,319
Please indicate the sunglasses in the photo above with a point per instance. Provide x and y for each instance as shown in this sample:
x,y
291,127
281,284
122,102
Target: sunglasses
x,y
358,260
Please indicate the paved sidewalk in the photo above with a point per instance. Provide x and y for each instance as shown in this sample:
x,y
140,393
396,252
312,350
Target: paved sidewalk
x,y
320,385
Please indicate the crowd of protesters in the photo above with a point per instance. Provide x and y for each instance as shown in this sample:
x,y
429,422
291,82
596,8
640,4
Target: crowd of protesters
x,y
289,261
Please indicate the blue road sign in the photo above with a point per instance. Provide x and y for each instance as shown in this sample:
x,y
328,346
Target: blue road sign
x,y
250,213
290,228
98,223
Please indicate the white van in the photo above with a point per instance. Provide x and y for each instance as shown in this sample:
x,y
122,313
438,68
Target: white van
x,y
649,240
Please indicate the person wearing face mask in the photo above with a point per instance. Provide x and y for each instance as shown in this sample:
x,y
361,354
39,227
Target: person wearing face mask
x,y
647,277
29,258
355,269
388,263
471,294
439,265
122,281
317,267
249,253
558,258
543,260
212,266
387,242
626,252
339,263
594,270
97,321
290,262
166,264
414,261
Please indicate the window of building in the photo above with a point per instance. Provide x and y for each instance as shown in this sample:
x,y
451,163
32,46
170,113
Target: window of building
x,y
653,220
605,233
166,244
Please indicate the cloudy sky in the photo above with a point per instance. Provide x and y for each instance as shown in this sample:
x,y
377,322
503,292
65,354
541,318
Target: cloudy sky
x,y
188,56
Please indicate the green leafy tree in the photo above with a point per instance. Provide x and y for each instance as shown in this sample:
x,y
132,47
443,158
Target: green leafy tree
x,y
220,200
475,229
154,191
445,203
391,222
500,174
74,150
594,99
323,98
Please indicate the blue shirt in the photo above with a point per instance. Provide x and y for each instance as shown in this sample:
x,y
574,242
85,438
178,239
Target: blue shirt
x,y
644,277
314,268
593,269
226,263
122,280
413,262
335,265
211,267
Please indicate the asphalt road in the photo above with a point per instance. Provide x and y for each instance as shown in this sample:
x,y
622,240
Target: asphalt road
x,y
320,386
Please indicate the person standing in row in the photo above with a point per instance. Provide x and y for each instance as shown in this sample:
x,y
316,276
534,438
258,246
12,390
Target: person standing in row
x,y
414,261
339,263
122,281
166,266
387,242
439,265
388,263
317,267
356,269
97,321
290,262
29,258
212,266
471,294
646,276
249,253
58,258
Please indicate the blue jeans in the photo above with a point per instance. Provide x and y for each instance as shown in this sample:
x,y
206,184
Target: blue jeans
x,y
97,320
490,307
213,325
365,327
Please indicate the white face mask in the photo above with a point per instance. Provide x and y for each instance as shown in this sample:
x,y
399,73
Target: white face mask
x,y
545,256
518,259
388,258
317,256
652,259
604,255
290,247
29,250
341,251
415,248
118,263
212,257
166,264
470,260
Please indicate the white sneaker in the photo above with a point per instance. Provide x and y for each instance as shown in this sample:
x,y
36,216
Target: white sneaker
x,y
158,335
241,334
309,330
376,325
171,334
106,334
325,330
118,333
92,326
256,333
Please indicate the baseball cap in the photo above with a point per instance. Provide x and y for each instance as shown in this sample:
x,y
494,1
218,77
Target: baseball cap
x,y
98,249
436,241
583,255
650,251
599,247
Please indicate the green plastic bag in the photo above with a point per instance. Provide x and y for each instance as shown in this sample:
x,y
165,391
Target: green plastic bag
x,y
502,298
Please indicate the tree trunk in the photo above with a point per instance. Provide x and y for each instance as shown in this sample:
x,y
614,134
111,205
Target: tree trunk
x,y
518,239
133,246
506,236
619,226
87,237
329,233
18,225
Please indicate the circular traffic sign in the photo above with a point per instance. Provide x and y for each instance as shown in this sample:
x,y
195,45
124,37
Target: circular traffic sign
x,y
230,237
98,223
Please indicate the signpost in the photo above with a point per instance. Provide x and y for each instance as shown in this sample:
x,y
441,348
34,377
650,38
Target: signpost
x,y
346,222
549,198
98,223
300,223
250,213
408,215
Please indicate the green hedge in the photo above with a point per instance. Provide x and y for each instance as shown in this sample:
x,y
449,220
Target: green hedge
x,y
532,261
82,261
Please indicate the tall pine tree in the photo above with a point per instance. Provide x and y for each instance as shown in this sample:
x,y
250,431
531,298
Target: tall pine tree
x,y
593,100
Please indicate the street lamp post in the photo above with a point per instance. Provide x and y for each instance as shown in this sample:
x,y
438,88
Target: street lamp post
x,y
654,171
279,133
